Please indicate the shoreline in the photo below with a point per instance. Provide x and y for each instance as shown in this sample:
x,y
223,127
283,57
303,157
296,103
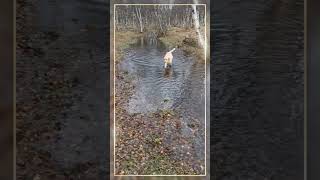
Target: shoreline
x,y
186,39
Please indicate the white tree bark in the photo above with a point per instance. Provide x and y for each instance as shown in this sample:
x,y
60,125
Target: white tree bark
x,y
138,13
195,17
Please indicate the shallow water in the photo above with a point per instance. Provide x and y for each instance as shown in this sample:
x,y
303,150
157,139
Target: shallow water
x,y
180,88
156,88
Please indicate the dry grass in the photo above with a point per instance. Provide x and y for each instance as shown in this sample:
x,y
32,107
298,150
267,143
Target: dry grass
x,y
185,39
123,40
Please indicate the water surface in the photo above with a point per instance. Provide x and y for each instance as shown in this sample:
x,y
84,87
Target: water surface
x,y
180,88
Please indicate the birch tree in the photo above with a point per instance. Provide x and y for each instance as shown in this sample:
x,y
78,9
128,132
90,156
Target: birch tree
x,y
138,14
159,18
195,16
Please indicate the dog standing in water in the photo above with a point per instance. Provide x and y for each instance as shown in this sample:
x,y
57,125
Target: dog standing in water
x,y
168,58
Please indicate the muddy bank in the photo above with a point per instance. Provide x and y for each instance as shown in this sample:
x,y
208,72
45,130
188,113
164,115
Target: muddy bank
x,y
124,40
185,39
140,140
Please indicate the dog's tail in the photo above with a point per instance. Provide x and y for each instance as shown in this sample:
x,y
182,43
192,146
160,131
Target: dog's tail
x,y
172,50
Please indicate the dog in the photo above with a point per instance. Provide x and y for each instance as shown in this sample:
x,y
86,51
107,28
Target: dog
x,y
168,58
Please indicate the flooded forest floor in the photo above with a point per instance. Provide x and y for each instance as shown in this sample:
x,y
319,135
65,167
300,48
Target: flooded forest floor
x,y
152,143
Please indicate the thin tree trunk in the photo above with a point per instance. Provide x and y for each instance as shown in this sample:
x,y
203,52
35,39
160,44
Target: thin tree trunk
x,y
138,12
195,16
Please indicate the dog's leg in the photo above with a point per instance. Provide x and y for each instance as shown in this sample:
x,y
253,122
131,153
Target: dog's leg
x,y
165,63
170,62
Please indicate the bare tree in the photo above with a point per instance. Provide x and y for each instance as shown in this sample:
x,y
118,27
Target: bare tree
x,y
195,16
138,14
158,17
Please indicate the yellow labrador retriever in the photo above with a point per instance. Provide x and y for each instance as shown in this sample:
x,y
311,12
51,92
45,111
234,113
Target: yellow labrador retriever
x,y
168,58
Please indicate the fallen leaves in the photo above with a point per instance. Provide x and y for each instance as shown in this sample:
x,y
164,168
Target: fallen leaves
x,y
150,143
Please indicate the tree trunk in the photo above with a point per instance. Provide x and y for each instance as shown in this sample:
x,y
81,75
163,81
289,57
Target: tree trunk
x,y
138,12
195,16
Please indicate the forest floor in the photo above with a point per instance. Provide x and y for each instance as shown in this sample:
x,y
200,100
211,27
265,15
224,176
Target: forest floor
x,y
140,147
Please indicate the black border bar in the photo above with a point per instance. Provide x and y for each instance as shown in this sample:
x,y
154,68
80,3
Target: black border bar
x,y
313,89
7,89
